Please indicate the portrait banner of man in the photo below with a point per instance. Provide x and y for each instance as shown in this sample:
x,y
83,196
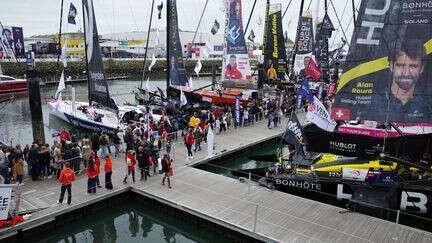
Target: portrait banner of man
x,y
387,73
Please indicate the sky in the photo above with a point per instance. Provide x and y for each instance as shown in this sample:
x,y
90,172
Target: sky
x,y
43,16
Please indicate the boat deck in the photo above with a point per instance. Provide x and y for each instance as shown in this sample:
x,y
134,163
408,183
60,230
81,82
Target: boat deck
x,y
270,216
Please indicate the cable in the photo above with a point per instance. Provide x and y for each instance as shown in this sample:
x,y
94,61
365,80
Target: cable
x,y
340,24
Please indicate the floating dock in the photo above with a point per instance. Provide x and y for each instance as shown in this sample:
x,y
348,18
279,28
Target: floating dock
x,y
256,212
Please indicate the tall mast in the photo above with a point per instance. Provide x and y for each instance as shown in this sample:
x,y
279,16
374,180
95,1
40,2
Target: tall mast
x,y
353,12
86,56
265,24
60,33
250,16
147,44
298,28
168,30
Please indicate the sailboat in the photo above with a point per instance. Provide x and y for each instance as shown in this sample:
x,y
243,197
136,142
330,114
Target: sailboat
x,y
235,48
374,174
101,112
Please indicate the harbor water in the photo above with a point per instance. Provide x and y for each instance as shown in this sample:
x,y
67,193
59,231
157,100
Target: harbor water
x,y
131,222
15,118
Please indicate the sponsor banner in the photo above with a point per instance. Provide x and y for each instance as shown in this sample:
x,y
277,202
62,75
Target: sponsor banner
x,y
275,53
98,87
354,174
177,67
388,66
237,109
12,42
5,202
236,60
18,40
318,115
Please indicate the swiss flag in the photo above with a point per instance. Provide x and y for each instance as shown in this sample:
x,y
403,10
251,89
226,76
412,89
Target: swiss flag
x,y
340,113
313,70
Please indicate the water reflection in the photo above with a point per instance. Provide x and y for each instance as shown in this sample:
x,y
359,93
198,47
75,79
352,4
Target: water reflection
x,y
122,224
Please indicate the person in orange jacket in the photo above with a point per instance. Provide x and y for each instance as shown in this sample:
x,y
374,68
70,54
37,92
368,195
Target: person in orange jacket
x,y
108,173
91,172
67,175
130,162
97,166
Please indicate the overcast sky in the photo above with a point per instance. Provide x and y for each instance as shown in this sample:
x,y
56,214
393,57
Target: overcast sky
x,y
42,16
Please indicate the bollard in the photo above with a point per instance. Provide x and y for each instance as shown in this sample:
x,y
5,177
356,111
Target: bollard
x,y
256,218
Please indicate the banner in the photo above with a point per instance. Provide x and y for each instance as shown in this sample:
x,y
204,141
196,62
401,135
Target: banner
x,y
177,67
388,66
304,43
237,109
322,45
210,142
98,86
72,14
236,60
13,42
5,201
274,52
318,115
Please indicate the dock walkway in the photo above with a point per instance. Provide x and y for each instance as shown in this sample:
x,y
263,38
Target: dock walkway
x,y
270,216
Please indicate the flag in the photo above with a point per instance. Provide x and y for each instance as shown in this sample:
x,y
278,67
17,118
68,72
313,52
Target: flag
x,y
293,134
153,62
64,55
251,36
183,100
305,91
190,83
198,67
320,90
215,27
319,115
72,14
313,70
61,86
159,8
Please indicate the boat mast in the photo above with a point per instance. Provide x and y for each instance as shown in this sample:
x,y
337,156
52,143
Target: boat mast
x,y
85,48
250,16
59,36
298,29
168,30
199,23
353,10
147,44
265,25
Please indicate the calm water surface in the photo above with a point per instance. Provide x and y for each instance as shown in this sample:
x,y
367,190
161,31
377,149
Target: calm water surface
x,y
15,119
131,222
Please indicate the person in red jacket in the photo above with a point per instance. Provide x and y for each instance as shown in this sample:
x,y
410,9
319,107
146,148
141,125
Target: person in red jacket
x,y
97,166
130,162
91,172
189,141
108,173
231,71
67,175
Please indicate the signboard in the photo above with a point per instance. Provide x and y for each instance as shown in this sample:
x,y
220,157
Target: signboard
x,y
5,201
388,67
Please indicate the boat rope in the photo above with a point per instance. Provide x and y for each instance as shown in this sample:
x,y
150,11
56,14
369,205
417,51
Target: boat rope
x,y
339,21
289,4
147,43
250,16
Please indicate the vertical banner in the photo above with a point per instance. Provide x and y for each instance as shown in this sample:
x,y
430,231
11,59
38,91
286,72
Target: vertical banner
x,y
18,42
274,52
387,72
97,83
176,63
236,60
322,46
210,142
5,202
8,42
237,109
303,44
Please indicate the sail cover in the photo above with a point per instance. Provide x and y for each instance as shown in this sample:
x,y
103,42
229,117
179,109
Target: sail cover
x,y
275,52
236,65
176,64
388,67
97,83
303,44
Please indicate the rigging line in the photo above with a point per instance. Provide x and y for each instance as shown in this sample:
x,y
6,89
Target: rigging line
x,y
310,3
286,9
147,43
59,36
250,16
340,24
199,23
343,14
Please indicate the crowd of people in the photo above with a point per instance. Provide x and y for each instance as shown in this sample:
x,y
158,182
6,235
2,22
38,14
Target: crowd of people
x,y
146,146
